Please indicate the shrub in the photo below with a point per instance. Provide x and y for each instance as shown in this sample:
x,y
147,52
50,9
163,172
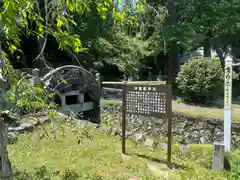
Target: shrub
x,y
201,80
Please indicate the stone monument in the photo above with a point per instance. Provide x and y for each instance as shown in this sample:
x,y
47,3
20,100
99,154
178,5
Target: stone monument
x,y
36,81
218,156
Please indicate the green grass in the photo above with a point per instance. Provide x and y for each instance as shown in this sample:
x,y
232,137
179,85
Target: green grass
x,y
212,112
190,110
67,149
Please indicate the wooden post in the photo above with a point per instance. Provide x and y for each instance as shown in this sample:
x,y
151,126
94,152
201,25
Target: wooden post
x,y
169,114
124,118
97,108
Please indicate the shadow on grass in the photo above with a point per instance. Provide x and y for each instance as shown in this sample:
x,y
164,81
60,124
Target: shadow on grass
x,y
160,161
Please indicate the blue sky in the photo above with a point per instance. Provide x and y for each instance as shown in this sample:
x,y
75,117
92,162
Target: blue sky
x,y
121,3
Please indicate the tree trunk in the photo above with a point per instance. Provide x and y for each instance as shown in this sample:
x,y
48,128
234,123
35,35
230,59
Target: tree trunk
x,y
5,164
169,73
156,63
222,52
40,61
174,60
207,49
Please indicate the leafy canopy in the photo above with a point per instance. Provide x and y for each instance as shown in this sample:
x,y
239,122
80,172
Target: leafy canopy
x,y
51,17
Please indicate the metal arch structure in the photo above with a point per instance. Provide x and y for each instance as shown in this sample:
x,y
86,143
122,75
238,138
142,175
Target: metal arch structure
x,y
89,82
48,75
76,84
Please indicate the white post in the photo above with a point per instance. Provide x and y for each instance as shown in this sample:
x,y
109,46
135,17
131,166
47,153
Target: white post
x,y
228,103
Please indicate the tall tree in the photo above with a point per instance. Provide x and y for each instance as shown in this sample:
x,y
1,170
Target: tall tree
x,y
217,21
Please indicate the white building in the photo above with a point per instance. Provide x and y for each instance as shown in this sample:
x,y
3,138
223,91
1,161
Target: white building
x,y
197,53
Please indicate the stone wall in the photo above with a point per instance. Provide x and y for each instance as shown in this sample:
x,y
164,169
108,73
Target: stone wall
x,y
25,124
29,122
186,130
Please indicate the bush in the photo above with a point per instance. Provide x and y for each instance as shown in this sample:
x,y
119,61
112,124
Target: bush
x,y
201,80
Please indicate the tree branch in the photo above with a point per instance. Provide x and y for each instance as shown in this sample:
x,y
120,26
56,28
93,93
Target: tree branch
x,y
46,32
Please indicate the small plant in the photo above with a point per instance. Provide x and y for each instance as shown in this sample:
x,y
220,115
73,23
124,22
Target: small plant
x,y
26,97
22,175
180,100
69,175
234,160
201,80
42,173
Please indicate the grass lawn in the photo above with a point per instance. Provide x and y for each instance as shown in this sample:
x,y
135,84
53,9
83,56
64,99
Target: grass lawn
x,y
214,112
193,110
89,154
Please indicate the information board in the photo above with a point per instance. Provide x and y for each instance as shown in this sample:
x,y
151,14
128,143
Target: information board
x,y
147,100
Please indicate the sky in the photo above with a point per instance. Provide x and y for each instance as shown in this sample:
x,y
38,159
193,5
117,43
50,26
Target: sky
x,y
121,3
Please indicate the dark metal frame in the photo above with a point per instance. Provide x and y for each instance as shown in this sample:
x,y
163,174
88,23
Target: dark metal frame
x,y
162,106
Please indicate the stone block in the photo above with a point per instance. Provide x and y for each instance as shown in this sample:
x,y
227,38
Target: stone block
x,y
218,156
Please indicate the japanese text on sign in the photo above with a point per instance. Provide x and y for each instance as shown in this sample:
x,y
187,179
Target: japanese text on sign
x,y
148,100
228,89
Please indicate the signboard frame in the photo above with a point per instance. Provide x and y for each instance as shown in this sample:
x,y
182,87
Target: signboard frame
x,y
145,99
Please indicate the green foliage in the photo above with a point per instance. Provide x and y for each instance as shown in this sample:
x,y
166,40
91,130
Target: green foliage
x,y
27,97
123,51
234,160
201,154
72,151
47,174
24,97
211,16
197,22
114,40
56,18
61,156
191,173
201,80
53,20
